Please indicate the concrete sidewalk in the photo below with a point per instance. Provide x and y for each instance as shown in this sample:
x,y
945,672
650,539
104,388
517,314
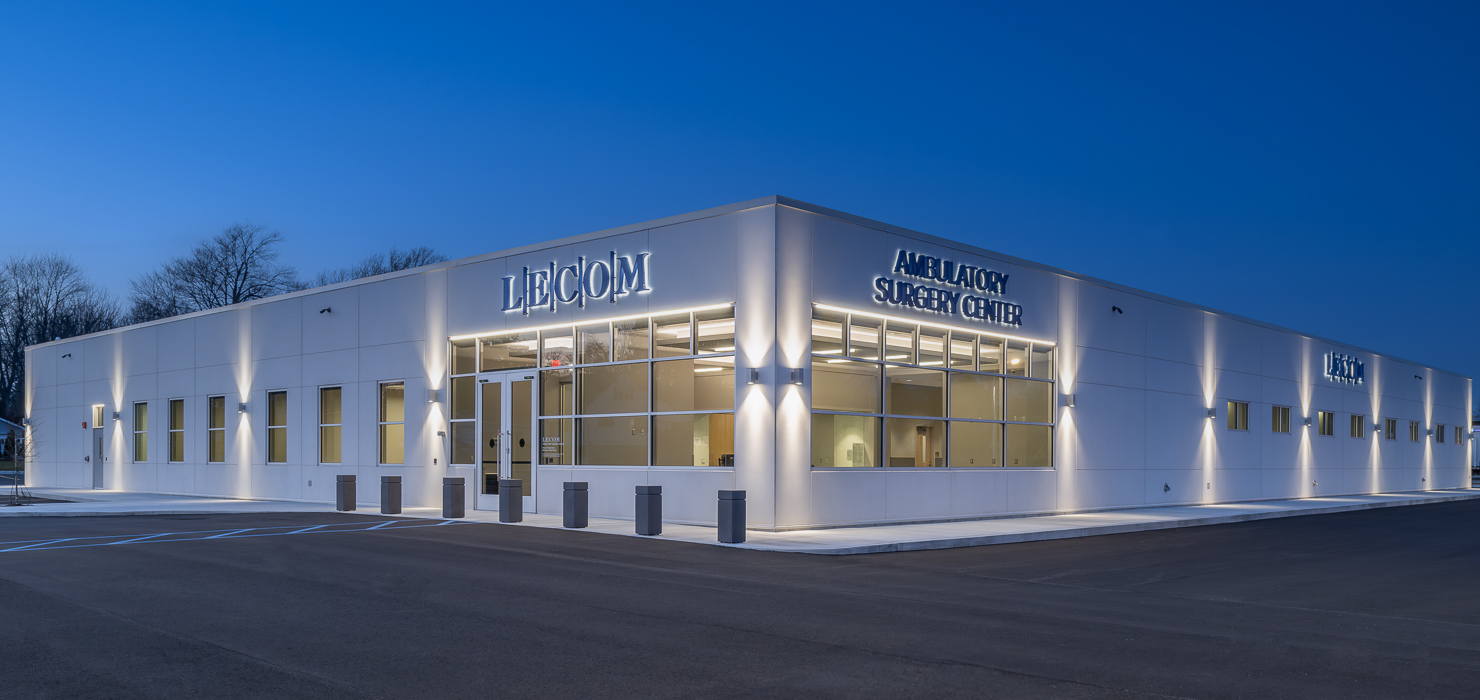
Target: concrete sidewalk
x,y
847,540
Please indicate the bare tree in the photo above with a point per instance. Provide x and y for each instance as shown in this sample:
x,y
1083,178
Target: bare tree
x,y
239,264
379,264
42,298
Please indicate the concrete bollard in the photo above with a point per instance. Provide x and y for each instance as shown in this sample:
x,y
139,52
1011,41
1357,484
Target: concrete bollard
x,y
577,503
390,495
454,496
731,516
510,501
650,510
344,492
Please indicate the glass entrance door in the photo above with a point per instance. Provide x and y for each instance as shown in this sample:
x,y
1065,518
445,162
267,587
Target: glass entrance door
x,y
506,435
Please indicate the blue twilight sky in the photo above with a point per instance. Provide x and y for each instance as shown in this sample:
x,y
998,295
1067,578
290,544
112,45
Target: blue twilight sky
x,y
1312,165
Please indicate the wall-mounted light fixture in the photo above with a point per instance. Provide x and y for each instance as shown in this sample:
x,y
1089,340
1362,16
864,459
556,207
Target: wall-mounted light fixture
x,y
26,422
1429,432
241,408
115,415
1068,400
755,377
1213,412
441,433
431,396
796,375
66,356
1307,421
325,310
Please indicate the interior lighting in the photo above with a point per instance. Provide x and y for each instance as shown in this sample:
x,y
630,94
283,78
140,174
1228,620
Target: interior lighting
x,y
608,319
890,357
728,349
927,364
1016,361
932,324
707,369
828,352
838,362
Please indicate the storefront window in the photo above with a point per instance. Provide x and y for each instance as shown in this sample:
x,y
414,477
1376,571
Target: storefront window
x,y
976,396
594,344
694,440
630,339
840,440
613,389
844,385
557,347
976,444
863,338
619,441
694,385
913,391
508,351
827,332
916,442
1029,402
715,330
671,335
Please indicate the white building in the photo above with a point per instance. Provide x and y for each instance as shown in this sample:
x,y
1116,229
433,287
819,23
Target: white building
x,y
840,370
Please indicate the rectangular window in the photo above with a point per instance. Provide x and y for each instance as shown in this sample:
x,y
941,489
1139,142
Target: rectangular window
x,y
845,441
593,344
464,403
1390,429
612,389
277,426
619,441
1439,433
1017,358
1359,426
671,335
976,444
630,340
464,356
508,351
1326,422
845,385
976,396
694,385
1028,446
863,337
714,330
1042,361
177,430
827,332
963,351
1280,419
990,355
97,415
393,423
557,441
912,391
557,392
1459,435
141,431
915,442
331,424
557,347
899,342
932,347
216,429
1238,415
1029,401
1413,431
694,440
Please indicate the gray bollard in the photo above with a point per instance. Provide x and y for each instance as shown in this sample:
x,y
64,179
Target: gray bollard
x,y
390,495
731,516
510,501
453,497
577,503
650,510
344,492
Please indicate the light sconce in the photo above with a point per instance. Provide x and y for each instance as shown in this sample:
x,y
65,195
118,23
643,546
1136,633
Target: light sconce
x,y
1307,421
441,433
241,408
432,396
1068,400
1429,432
115,415
325,310
755,377
796,375
26,422
1213,412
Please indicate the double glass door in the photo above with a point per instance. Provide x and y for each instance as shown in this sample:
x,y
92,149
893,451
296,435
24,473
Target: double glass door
x,y
506,445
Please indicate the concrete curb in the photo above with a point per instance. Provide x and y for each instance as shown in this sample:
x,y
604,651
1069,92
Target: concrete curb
x,y
1071,533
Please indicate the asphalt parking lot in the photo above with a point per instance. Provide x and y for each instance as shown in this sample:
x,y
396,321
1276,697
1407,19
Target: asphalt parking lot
x,y
1374,604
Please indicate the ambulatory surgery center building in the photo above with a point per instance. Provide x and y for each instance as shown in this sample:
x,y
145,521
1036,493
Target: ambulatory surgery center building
x,y
839,370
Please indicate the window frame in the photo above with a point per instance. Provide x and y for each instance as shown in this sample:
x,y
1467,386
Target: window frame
x,y
279,431
1359,426
982,339
340,446
138,459
382,423
174,432
1390,429
1238,415
210,429
1326,423
1415,431
1279,420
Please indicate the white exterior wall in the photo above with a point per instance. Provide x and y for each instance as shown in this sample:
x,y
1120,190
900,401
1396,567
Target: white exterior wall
x,y
1138,435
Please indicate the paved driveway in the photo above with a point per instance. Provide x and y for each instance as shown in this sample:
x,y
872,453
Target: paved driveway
x,y
1376,604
